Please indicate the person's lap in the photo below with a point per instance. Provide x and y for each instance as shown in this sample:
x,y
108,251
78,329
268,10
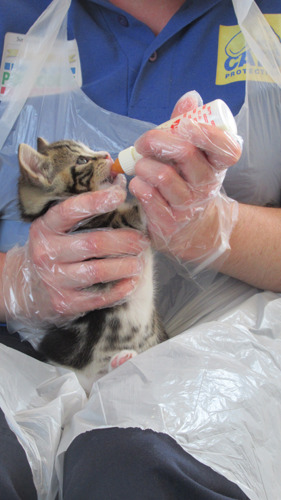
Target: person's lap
x,y
112,463
15,473
135,464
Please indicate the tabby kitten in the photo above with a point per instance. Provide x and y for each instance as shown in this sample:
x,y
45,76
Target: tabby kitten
x,y
88,344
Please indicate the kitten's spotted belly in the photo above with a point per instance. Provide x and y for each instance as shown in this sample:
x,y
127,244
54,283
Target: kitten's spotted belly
x,y
131,326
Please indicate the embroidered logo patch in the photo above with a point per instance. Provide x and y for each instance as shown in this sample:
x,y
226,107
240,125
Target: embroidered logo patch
x,y
234,60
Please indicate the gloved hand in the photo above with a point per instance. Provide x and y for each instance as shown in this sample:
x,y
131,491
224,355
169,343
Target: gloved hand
x,y
178,183
48,279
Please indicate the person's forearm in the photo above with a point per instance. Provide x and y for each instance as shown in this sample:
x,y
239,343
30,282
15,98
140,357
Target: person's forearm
x,y
2,307
255,255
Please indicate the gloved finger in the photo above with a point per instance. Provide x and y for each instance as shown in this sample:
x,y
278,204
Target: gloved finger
x,y
194,234
220,148
76,302
77,247
192,167
187,102
168,182
160,216
90,272
64,216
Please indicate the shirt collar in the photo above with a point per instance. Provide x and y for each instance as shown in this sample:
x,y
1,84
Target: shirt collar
x,y
189,12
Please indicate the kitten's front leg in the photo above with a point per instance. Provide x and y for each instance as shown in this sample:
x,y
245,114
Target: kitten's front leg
x,y
130,215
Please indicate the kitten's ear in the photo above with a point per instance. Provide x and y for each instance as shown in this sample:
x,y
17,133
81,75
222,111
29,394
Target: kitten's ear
x,y
42,144
33,165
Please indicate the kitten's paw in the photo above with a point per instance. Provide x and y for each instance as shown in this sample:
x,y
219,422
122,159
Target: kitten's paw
x,y
120,358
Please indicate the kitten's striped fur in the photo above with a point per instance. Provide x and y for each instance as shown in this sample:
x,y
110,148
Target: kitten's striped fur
x,y
47,176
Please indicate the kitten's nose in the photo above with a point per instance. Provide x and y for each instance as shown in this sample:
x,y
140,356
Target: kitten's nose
x,y
107,156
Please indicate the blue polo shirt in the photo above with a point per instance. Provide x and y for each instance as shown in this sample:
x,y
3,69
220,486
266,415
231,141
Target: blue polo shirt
x,y
148,73
128,70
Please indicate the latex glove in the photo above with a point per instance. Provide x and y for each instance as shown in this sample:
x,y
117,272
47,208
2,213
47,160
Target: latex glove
x,y
48,279
178,183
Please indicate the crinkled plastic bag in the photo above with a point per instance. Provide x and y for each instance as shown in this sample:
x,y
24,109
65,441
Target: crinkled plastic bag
x,y
216,387
256,179
38,400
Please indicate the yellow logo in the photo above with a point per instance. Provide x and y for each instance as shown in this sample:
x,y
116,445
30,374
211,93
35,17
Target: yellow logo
x,y
235,61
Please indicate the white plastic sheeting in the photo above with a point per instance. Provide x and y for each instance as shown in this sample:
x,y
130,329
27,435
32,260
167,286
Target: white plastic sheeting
x,y
216,389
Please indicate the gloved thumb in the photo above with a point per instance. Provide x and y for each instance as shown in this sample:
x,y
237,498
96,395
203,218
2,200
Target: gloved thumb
x,y
187,102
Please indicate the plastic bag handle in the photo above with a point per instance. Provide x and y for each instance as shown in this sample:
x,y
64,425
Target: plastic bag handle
x,y
39,42
259,37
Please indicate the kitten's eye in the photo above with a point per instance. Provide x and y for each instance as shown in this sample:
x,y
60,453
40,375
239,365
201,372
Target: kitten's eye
x,y
81,160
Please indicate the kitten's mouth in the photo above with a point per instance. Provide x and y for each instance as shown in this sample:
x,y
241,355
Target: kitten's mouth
x,y
108,177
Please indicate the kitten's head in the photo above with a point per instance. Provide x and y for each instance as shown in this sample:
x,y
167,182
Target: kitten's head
x,y
56,171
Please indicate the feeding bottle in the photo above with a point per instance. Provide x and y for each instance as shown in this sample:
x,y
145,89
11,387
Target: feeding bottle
x,y
214,113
